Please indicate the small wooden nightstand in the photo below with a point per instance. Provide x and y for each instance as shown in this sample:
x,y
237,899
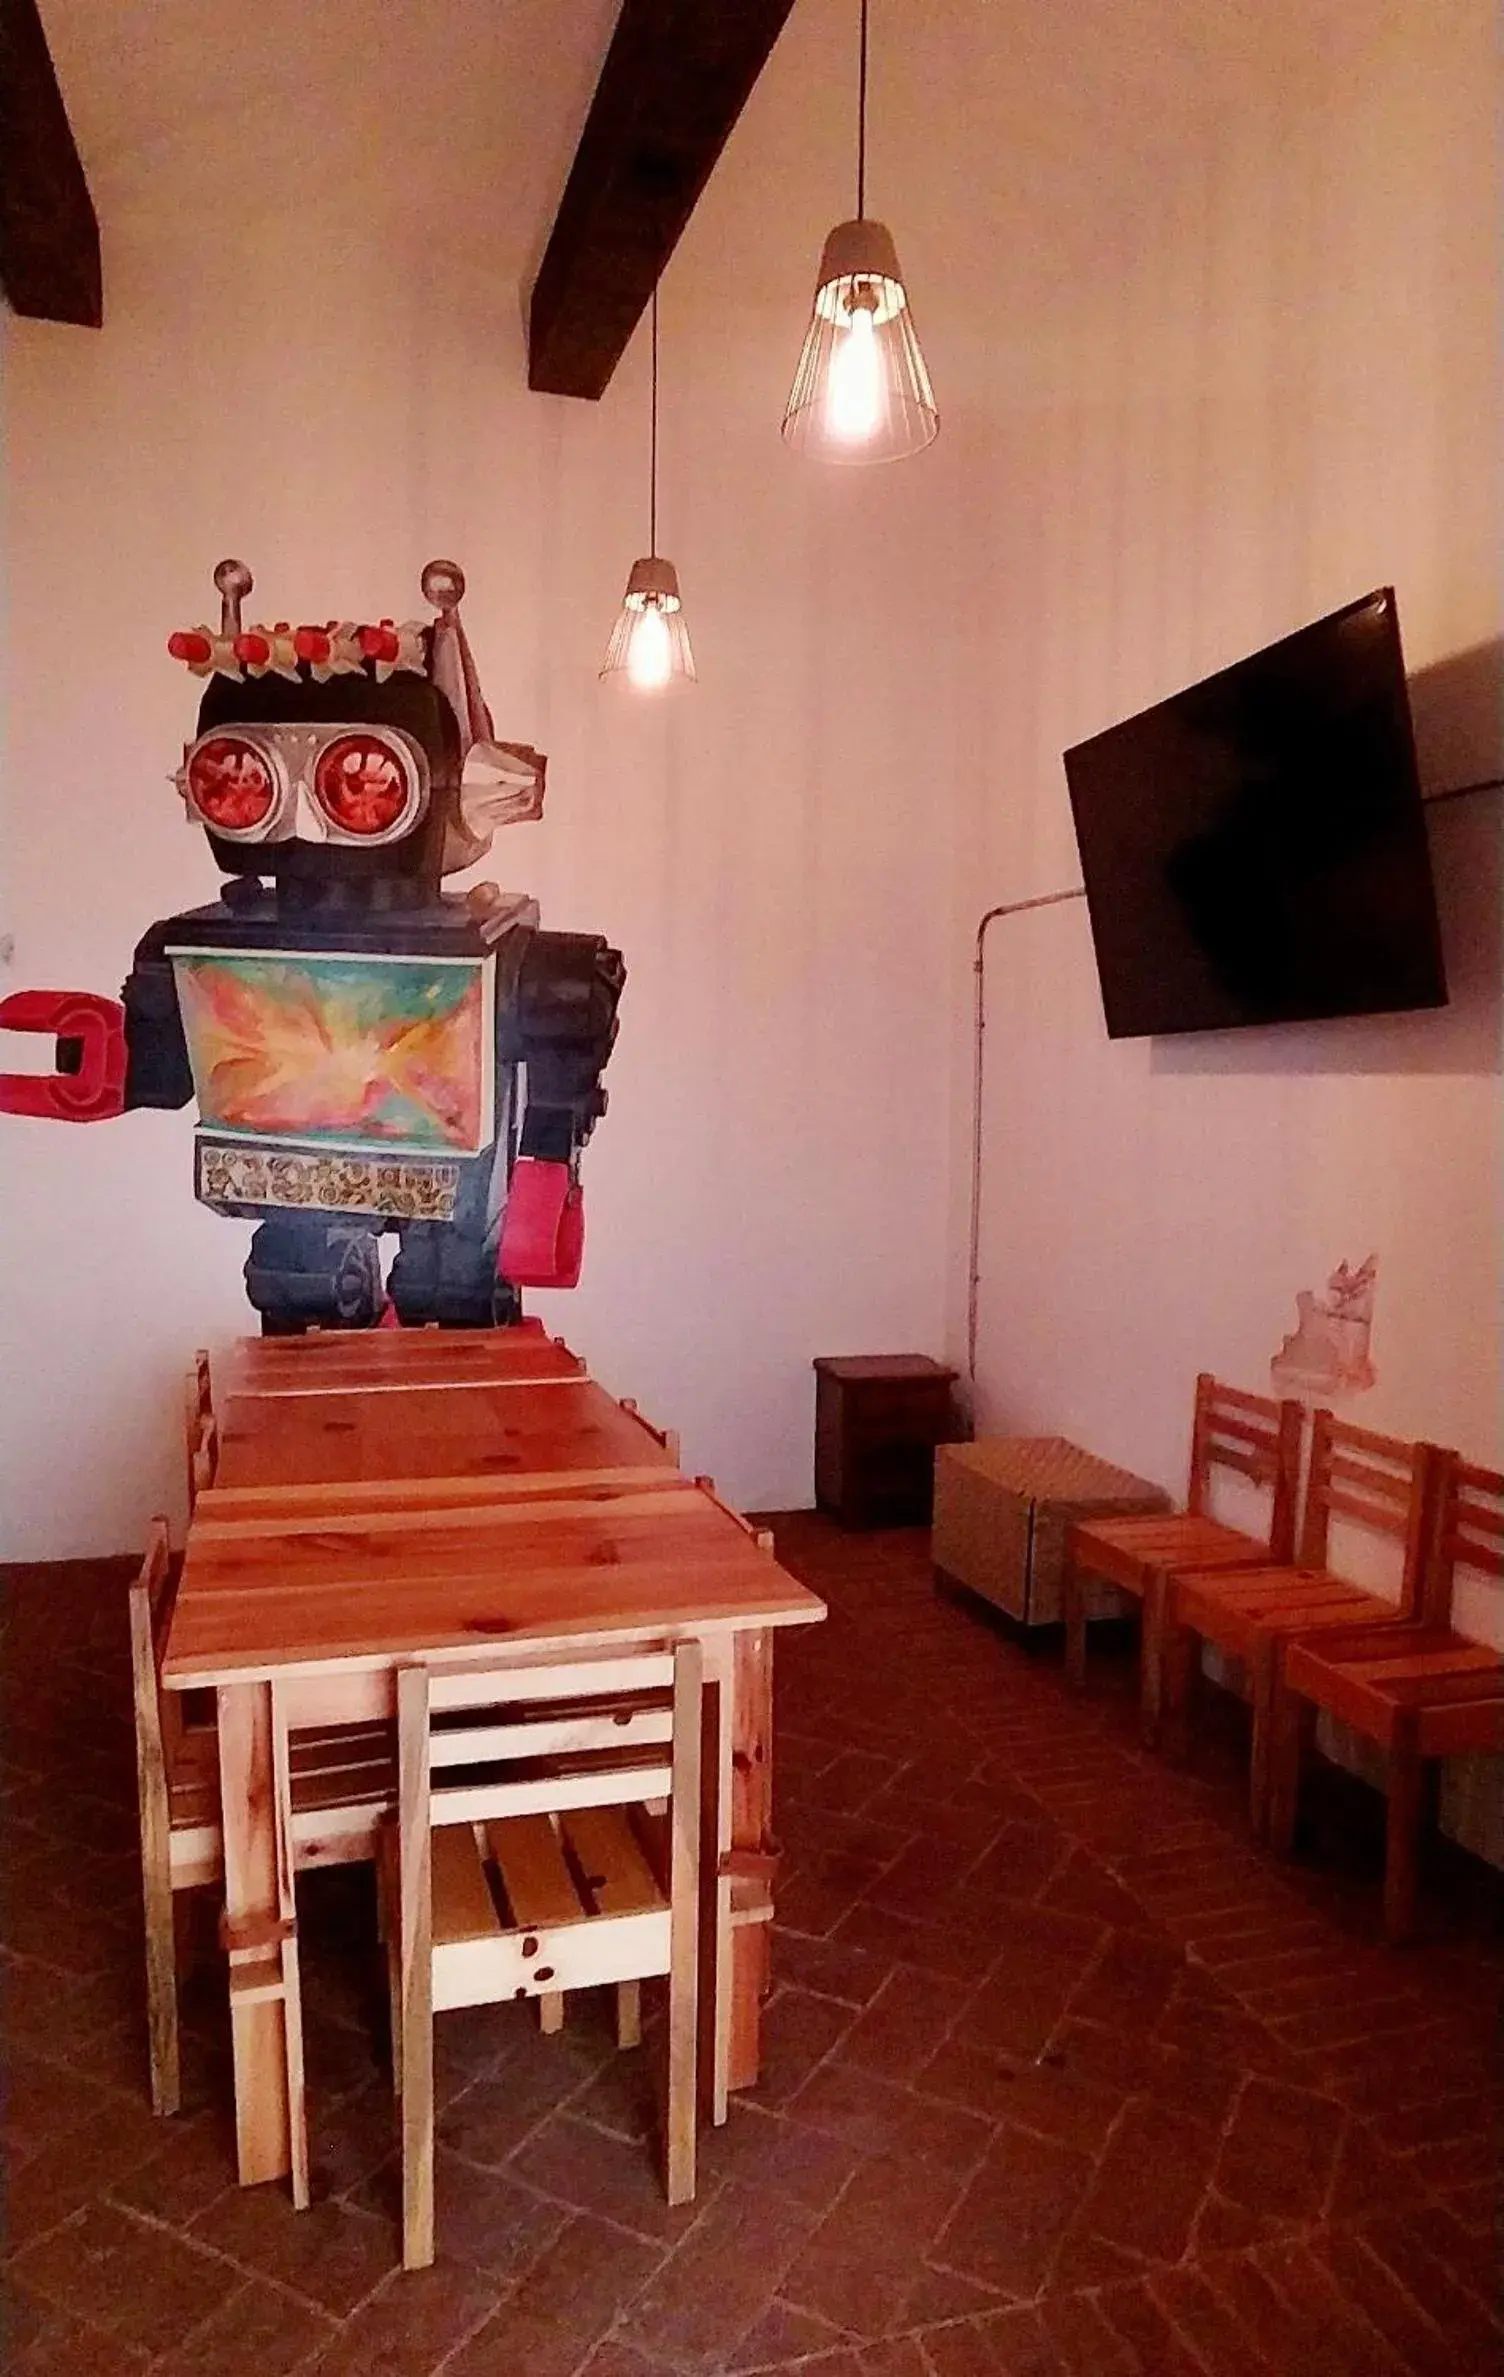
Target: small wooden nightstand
x,y
878,1419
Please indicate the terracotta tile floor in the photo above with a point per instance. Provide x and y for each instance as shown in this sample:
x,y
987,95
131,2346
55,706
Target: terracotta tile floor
x,y
1061,2076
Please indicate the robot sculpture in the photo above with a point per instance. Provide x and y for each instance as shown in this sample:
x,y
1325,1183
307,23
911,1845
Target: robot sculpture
x,y
368,1053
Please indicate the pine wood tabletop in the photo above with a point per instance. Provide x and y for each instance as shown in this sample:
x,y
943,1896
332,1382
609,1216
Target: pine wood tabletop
x,y
366,1590
344,1360
430,1431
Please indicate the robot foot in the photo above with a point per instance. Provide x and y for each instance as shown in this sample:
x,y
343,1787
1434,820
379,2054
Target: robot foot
x,y
306,1271
443,1275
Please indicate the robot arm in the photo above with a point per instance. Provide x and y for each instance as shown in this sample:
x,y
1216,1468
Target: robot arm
x,y
158,1072
568,988
88,1084
111,1053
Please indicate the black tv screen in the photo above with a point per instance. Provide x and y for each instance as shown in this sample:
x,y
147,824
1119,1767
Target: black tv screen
x,y
1254,849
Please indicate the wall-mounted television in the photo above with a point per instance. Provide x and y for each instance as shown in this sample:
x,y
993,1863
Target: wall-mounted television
x,y
1254,849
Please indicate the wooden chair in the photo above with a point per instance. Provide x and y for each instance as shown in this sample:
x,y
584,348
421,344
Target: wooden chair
x,y
1420,1691
338,1786
200,1434
1249,1436
1381,1483
667,1437
533,1855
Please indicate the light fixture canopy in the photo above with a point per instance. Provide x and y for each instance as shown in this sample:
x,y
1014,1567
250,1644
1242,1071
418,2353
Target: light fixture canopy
x,y
650,644
861,391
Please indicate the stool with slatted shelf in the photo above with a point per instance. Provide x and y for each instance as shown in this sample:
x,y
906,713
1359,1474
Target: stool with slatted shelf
x,y
1249,1436
1383,1484
1419,1691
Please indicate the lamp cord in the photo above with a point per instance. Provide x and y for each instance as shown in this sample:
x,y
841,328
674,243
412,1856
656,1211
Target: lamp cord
x,y
861,123
1459,792
653,441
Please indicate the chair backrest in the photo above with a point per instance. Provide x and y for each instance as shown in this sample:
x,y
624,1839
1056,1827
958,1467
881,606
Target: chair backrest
x,y
1467,1531
667,1437
203,1459
761,1536
1258,1439
1383,1483
478,1744
150,1608
198,1410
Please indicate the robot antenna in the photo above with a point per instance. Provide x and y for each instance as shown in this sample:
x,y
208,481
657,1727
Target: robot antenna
x,y
234,581
443,584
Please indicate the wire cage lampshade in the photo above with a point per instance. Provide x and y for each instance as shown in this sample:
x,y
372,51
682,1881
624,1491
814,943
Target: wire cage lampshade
x,y
650,643
861,392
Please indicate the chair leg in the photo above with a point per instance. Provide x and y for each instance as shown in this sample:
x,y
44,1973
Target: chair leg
x,y
551,2012
1073,1600
390,1931
1180,1668
681,2105
297,2104
629,2013
417,2057
1152,1659
683,2053
162,1995
1292,1721
1407,1792
1262,1670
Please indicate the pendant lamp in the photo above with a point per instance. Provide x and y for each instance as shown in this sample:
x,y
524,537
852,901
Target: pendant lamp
x,y
650,644
861,392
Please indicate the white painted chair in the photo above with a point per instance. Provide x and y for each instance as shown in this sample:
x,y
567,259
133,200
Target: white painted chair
x,y
335,1788
547,1839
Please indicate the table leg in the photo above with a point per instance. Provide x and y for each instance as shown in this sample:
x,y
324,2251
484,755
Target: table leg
x,y
253,1931
715,1878
753,1856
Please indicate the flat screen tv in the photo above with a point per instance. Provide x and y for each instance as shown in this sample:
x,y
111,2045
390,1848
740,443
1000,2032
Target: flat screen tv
x,y
1254,849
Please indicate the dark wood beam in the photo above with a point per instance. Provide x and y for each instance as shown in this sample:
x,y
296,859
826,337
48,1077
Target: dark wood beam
x,y
49,234
676,77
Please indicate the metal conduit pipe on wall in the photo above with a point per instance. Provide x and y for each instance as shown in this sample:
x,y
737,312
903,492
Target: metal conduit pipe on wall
x,y
1047,899
1053,899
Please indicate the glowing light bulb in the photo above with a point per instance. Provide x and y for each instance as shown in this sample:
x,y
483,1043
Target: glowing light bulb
x,y
650,655
854,399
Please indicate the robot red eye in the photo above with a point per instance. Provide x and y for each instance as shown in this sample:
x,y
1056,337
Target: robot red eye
x,y
364,786
230,784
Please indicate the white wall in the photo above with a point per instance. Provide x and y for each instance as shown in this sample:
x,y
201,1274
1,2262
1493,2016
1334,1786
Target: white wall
x,y
1210,296
1256,379
313,358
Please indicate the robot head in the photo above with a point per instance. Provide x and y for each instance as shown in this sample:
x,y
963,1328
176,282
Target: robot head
x,y
354,765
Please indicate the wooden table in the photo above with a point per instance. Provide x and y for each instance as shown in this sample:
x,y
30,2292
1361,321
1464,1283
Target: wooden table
x,y
313,1570
328,1360
517,1428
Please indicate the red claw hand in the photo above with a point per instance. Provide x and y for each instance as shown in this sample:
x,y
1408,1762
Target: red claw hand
x,y
97,1089
543,1227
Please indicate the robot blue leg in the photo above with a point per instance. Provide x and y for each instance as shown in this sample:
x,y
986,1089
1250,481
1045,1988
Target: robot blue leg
x,y
314,1270
447,1273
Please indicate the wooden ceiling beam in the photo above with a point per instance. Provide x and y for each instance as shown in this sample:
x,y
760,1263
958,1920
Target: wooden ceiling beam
x,y
49,234
676,77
